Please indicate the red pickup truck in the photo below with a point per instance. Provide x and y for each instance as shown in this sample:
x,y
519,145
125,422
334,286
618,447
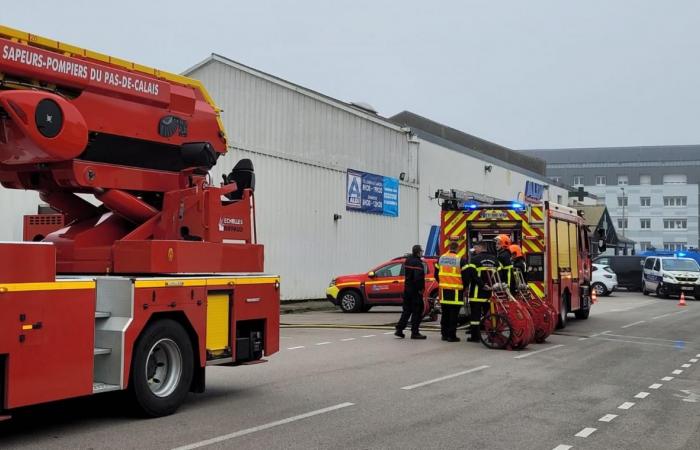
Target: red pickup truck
x,y
382,285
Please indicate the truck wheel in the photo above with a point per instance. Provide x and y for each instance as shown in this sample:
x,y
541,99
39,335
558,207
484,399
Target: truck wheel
x,y
644,290
563,311
662,293
582,314
600,289
161,368
350,301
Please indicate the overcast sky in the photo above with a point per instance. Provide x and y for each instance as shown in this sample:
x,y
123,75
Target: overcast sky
x,y
525,74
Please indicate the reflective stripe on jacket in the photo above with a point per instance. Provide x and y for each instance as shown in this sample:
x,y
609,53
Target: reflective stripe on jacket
x,y
450,272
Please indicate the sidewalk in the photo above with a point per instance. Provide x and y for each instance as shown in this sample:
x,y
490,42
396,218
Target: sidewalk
x,y
307,306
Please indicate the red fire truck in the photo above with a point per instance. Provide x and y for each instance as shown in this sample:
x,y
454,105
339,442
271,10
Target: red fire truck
x,y
554,240
148,271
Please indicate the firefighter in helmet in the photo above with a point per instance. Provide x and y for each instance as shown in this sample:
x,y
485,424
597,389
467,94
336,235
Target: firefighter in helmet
x,y
450,273
516,253
504,259
479,290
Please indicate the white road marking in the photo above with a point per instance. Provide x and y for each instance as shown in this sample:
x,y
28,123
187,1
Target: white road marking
x,y
562,447
626,405
230,436
585,432
667,378
598,334
582,339
677,372
347,339
525,355
446,377
389,332
369,336
655,386
642,395
698,355
693,360
685,366
607,418
675,341
633,324
324,343
635,342
669,314
294,348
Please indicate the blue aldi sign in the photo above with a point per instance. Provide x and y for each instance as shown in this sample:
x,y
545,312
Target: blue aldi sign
x,y
533,192
370,193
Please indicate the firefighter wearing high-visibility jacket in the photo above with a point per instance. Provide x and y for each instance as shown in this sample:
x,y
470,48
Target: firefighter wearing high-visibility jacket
x,y
449,273
479,291
504,259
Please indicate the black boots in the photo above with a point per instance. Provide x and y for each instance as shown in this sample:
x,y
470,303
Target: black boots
x,y
399,334
418,336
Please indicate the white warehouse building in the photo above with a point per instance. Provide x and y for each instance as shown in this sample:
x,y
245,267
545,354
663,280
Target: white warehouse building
x,y
307,148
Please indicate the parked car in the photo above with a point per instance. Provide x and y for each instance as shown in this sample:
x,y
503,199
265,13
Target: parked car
x,y
667,275
382,285
628,269
603,280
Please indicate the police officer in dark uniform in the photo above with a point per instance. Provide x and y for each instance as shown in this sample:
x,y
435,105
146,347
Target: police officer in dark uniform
x,y
414,286
479,292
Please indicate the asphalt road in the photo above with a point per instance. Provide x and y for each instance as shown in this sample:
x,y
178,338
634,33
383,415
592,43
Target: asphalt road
x,y
628,377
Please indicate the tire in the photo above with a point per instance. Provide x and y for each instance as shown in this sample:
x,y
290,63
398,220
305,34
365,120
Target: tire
x,y
563,312
661,294
582,314
350,301
600,289
644,290
162,368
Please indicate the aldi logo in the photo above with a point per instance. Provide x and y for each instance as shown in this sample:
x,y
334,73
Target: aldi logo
x,y
353,199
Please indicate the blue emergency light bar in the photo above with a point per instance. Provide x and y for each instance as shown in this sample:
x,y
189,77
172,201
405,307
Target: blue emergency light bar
x,y
516,205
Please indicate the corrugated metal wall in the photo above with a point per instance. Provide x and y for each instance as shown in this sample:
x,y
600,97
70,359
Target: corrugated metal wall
x,y
301,147
15,204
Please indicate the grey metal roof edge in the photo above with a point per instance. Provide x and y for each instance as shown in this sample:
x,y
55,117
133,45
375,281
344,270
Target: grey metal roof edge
x,y
376,118
484,157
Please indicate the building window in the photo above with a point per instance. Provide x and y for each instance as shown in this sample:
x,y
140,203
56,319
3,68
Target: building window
x,y
645,179
645,201
622,201
675,224
622,224
578,180
676,201
601,180
675,246
645,245
559,199
675,179
645,224
555,179
623,180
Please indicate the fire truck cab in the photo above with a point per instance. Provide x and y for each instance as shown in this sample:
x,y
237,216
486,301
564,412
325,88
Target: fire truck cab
x,y
553,237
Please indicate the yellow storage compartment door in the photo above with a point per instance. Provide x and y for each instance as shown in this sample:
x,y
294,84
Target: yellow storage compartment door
x,y
218,323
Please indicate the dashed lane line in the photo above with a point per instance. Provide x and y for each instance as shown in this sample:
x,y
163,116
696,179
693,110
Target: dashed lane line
x,y
369,336
323,343
655,386
562,447
227,437
635,342
585,432
642,395
677,372
607,418
446,377
633,324
668,314
667,378
347,339
626,405
675,341
295,348
685,366
525,355
693,360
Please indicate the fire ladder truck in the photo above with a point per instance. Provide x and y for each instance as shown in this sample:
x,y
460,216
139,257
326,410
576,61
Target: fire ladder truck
x,y
155,272
554,240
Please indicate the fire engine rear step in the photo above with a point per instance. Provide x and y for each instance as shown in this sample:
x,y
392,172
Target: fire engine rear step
x,y
98,388
102,351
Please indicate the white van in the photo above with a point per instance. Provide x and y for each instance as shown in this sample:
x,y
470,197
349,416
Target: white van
x,y
667,275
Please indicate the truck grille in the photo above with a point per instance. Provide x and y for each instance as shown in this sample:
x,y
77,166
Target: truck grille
x,y
690,280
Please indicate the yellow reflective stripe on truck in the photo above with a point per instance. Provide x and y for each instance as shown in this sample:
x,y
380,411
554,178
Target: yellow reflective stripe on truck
x,y
199,282
47,286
